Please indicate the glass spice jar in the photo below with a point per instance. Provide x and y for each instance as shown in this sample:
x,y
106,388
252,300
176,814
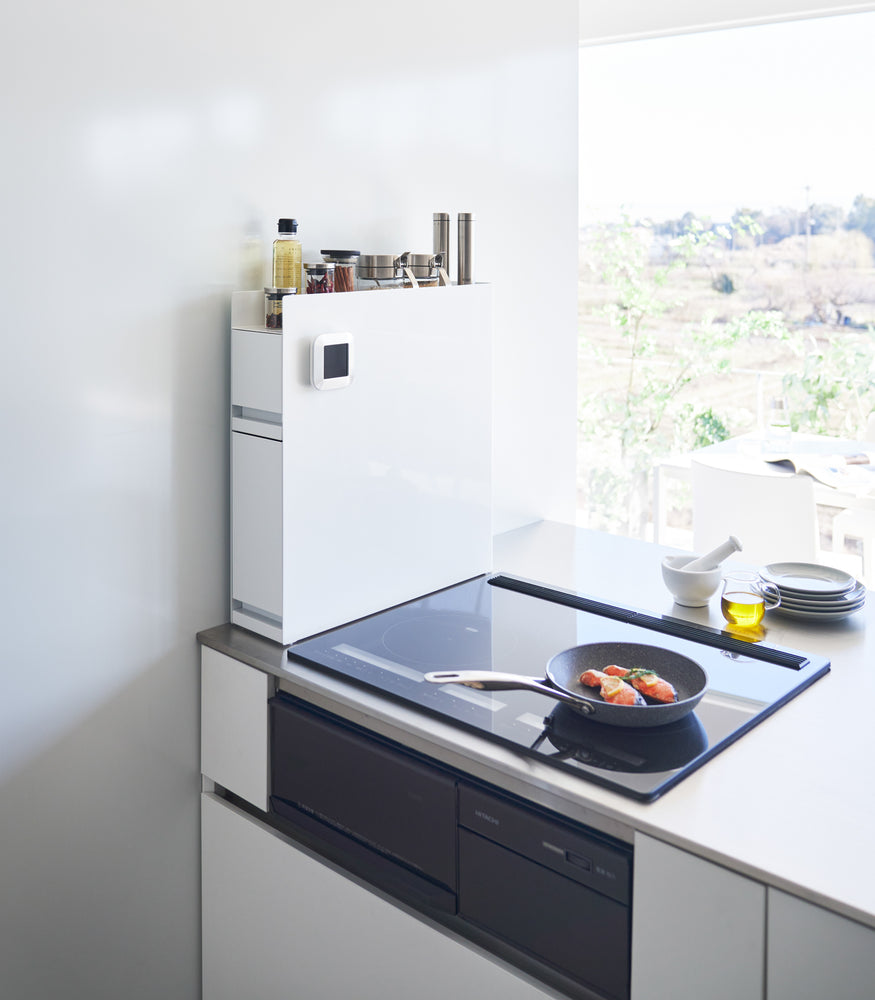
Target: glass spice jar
x,y
344,262
273,306
318,277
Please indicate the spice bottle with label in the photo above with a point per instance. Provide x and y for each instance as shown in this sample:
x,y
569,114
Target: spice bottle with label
x,y
287,256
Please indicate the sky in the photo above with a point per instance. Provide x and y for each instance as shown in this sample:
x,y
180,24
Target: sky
x,y
760,117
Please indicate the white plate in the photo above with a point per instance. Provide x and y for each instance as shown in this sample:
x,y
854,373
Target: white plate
x,y
814,616
827,602
808,578
821,609
786,602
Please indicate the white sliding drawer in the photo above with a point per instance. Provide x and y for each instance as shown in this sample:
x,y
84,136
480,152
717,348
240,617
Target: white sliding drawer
x,y
257,525
257,371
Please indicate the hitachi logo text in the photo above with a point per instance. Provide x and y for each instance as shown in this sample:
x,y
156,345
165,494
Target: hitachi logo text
x,y
485,816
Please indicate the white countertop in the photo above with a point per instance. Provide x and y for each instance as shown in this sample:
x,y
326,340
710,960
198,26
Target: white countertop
x,y
793,801
775,805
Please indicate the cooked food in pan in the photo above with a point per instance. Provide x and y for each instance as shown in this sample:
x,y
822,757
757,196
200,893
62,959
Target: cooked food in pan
x,y
645,681
614,684
612,689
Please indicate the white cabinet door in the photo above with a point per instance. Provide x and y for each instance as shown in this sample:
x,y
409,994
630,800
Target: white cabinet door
x,y
814,954
697,929
277,923
234,739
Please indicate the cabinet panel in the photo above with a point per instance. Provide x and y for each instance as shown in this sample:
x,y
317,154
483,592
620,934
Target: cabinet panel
x,y
257,519
814,954
697,929
278,923
256,370
234,726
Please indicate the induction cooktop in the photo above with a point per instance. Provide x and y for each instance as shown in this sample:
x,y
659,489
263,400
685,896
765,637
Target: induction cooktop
x,y
508,624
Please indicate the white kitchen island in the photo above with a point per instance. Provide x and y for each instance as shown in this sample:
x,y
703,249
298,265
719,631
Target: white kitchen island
x,y
753,876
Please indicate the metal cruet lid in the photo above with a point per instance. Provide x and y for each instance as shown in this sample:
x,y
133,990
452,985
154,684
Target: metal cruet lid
x,y
379,265
423,265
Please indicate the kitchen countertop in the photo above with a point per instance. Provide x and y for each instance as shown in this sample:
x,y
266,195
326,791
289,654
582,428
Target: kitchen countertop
x,y
774,805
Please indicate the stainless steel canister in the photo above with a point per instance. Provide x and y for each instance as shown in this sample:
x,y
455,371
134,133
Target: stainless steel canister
x,y
466,248
441,237
380,270
424,267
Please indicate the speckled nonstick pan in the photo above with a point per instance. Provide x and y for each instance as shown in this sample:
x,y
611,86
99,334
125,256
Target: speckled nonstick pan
x,y
563,682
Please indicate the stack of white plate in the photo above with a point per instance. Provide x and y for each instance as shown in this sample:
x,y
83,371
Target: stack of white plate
x,y
817,593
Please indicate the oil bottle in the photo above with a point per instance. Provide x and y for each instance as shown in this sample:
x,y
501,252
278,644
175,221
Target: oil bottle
x,y
287,256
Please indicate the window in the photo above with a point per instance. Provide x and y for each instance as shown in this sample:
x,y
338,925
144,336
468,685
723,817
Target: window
x,y
727,219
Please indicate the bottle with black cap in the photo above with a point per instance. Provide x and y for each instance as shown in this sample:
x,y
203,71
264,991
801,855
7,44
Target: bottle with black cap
x,y
287,256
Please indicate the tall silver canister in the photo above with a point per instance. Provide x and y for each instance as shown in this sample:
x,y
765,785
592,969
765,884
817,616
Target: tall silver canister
x,y
441,238
465,272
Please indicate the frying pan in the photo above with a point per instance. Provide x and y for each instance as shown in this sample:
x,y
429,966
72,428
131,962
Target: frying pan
x,y
563,682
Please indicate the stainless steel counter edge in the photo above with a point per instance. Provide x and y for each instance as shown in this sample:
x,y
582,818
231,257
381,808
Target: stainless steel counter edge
x,y
565,794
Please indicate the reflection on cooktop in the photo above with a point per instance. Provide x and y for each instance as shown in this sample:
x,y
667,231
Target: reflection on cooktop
x,y
639,751
439,638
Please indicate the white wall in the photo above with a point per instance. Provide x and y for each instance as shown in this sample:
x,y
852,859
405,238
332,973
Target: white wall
x,y
138,141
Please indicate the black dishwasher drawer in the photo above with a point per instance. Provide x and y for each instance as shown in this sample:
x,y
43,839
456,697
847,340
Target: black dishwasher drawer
x,y
365,788
581,932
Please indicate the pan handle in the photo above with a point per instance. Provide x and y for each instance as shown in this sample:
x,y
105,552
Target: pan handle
x,y
489,680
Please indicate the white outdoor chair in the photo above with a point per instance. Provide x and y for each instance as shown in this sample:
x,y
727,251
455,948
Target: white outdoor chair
x,y
773,516
859,524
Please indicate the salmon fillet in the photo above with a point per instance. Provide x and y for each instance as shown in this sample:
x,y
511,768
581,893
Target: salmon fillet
x,y
612,689
650,684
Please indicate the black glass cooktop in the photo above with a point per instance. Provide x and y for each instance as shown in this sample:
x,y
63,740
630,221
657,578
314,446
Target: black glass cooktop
x,y
506,624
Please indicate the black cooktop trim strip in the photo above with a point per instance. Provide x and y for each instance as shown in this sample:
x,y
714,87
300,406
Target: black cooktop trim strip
x,y
703,634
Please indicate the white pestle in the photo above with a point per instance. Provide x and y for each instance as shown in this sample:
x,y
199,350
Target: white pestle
x,y
712,559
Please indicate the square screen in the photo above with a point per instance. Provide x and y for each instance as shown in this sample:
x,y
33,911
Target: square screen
x,y
335,360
